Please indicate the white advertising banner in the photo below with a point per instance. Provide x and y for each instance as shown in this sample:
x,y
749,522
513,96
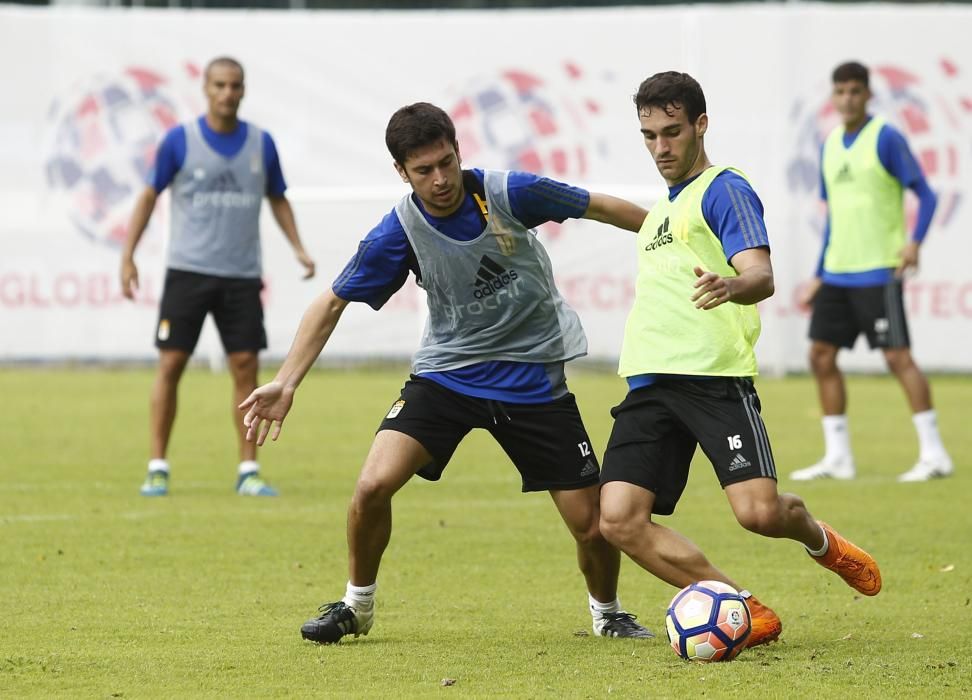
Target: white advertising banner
x,y
88,94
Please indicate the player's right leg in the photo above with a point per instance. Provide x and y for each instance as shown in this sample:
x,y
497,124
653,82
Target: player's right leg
x,y
834,324
550,447
645,471
186,299
162,412
418,435
838,459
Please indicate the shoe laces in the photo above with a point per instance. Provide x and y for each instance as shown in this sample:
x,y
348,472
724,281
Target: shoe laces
x,y
850,566
335,607
621,621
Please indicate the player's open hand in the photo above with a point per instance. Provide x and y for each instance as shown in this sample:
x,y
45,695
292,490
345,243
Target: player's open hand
x,y
711,290
266,407
309,267
129,278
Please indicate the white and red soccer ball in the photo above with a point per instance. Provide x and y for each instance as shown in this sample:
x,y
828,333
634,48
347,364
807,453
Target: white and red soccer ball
x,y
708,621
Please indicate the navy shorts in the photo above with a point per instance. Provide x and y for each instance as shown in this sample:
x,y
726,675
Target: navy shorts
x,y
657,428
840,314
547,442
234,303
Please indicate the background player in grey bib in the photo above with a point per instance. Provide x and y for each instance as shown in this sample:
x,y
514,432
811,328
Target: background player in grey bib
x,y
219,169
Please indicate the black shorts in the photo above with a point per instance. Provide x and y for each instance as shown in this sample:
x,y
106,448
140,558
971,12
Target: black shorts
x,y
657,427
840,314
234,303
547,442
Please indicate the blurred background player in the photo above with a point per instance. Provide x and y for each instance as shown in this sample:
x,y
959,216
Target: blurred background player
x,y
492,356
220,168
865,166
688,358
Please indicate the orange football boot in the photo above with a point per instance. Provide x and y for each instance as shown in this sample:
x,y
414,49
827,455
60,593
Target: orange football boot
x,y
850,562
766,624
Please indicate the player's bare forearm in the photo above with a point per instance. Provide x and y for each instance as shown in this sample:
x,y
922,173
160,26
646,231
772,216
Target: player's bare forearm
x,y
752,286
315,329
615,211
752,283
755,279
283,214
136,227
144,205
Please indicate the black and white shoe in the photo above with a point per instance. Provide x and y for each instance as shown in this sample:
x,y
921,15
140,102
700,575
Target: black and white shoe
x,y
335,621
620,624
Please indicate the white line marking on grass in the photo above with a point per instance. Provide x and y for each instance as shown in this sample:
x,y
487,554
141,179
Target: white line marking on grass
x,y
35,518
61,517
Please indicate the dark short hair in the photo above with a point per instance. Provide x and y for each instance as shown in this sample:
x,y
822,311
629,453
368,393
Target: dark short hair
x,y
852,70
669,91
223,61
416,126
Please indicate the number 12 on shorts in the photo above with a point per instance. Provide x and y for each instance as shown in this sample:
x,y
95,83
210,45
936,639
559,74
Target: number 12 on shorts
x,y
584,448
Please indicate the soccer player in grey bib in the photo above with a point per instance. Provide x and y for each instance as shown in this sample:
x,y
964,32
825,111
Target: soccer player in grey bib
x,y
218,169
492,355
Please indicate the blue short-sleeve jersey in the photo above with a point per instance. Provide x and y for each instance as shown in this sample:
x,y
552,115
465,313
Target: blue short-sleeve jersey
x,y
171,155
900,162
385,258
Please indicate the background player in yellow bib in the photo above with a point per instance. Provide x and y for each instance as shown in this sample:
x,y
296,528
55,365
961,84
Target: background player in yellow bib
x,y
703,264
865,166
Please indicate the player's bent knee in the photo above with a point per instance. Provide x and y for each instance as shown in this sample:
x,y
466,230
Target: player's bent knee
x,y
761,518
371,493
619,531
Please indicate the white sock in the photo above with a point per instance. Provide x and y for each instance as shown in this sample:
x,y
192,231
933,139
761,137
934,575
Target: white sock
x,y
360,597
598,608
823,550
929,441
836,438
247,466
158,465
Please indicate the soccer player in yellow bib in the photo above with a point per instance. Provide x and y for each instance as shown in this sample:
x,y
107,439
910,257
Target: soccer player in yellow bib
x,y
687,356
865,167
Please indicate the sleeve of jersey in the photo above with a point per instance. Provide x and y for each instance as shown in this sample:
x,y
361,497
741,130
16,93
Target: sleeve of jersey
x,y
380,266
735,214
168,159
276,185
898,160
536,200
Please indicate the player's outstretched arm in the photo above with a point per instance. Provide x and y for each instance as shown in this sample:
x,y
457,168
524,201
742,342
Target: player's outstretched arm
x,y
753,283
615,211
268,405
283,213
144,206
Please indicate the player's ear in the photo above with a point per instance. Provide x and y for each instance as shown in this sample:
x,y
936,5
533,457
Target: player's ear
x,y
401,171
455,144
701,124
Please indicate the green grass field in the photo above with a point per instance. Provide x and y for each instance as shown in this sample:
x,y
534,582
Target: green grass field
x,y
108,594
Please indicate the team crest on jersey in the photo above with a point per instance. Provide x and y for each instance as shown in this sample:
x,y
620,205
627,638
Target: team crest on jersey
x,y
396,408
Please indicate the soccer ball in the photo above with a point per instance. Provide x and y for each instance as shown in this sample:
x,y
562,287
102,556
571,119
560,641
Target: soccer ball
x,y
708,621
